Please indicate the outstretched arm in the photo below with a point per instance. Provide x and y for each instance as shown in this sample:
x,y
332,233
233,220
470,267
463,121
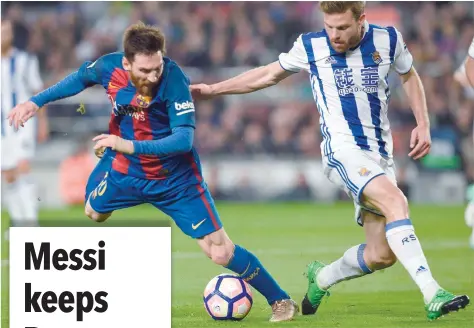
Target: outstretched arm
x,y
250,81
87,75
258,78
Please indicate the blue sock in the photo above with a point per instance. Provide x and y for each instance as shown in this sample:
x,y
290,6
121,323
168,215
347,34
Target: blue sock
x,y
252,271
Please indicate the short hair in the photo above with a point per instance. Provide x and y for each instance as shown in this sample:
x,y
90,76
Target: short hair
x,y
143,39
339,7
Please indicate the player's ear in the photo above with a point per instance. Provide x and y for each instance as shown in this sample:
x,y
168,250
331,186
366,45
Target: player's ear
x,y
361,20
126,64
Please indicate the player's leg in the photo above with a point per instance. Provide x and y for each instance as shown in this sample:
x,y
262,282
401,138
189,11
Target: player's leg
x,y
26,183
195,214
12,193
469,214
13,197
357,261
384,195
108,190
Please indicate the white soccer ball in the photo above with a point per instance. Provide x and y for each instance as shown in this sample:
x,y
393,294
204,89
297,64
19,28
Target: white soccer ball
x,y
227,297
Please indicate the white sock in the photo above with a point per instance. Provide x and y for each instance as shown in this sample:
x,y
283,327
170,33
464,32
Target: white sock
x,y
469,214
351,265
29,199
14,203
405,245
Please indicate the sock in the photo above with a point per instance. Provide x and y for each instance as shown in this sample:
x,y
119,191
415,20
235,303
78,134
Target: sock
x,y
252,271
14,204
406,246
351,265
28,199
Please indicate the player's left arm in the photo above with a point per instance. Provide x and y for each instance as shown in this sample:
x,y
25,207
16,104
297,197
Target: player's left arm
x,y
420,141
36,85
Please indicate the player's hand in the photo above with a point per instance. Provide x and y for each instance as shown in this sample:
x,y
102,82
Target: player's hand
x,y
201,91
114,142
22,113
420,142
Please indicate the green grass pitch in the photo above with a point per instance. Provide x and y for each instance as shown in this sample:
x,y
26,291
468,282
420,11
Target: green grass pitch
x,y
286,237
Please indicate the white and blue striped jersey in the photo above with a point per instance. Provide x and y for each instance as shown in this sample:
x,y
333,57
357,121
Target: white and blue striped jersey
x,y
20,80
351,89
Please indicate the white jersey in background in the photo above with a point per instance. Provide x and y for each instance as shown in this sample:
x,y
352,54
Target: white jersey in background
x,y
351,89
20,80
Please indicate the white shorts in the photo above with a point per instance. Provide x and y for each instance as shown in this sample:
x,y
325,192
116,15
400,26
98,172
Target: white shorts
x,y
18,146
353,169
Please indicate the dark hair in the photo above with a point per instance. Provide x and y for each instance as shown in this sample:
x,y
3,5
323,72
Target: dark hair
x,y
143,39
340,7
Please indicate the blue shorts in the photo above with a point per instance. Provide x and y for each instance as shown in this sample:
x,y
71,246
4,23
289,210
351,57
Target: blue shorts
x,y
190,205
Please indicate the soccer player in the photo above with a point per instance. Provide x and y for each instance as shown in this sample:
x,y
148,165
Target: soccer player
x,y
149,155
348,63
20,80
465,76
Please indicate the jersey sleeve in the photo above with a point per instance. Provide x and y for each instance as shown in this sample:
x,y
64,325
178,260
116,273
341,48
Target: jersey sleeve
x,y
90,73
471,49
179,102
35,83
296,59
403,60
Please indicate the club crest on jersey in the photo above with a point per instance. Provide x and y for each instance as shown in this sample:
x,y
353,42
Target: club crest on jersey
x,y
363,172
376,57
143,101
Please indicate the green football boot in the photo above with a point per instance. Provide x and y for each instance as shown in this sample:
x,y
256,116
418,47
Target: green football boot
x,y
315,294
443,303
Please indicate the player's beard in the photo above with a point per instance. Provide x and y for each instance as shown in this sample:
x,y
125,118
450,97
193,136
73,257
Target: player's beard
x,y
351,43
144,88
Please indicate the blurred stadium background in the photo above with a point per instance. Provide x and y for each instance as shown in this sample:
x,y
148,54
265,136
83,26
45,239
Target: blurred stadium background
x,y
264,146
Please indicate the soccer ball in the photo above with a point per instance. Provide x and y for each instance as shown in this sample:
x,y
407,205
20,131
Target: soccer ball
x,y
227,297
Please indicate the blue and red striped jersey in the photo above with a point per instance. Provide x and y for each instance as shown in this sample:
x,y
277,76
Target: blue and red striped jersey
x,y
135,117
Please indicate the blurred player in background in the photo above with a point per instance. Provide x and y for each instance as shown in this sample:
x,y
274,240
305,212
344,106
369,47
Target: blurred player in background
x,y
20,80
465,76
149,156
349,62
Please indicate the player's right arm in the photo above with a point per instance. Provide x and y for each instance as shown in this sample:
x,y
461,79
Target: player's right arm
x,y
258,78
86,76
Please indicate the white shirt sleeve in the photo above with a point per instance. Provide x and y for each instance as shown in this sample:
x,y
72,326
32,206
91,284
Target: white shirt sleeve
x,y
35,83
471,49
296,59
403,59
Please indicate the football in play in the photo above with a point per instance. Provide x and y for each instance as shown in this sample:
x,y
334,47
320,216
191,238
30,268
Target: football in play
x,y
227,297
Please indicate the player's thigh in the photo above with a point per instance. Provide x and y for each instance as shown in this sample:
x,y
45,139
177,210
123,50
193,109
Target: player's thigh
x,y
114,192
351,170
383,194
192,209
378,252
27,142
10,154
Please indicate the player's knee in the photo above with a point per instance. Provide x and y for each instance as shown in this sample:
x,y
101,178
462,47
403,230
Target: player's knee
x,y
93,215
222,254
395,205
9,175
381,258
